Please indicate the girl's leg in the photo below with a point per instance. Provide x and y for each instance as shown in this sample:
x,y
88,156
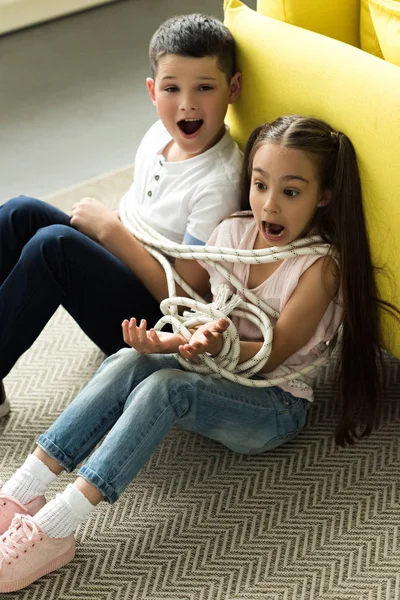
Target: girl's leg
x,y
75,433
49,264
137,398
247,420
98,407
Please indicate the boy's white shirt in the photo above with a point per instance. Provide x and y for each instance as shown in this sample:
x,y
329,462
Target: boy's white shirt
x,y
188,197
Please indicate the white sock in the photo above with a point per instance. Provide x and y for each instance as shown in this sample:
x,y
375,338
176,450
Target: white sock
x,y
61,516
29,481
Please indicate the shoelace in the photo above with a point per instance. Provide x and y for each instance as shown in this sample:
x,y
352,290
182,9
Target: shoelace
x,y
22,530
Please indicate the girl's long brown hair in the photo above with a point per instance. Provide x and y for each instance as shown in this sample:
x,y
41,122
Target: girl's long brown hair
x,y
341,223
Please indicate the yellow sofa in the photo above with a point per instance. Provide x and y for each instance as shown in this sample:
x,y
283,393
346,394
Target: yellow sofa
x,y
288,69
372,25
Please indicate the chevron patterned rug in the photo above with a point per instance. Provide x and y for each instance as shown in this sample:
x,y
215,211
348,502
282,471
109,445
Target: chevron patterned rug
x,y
307,521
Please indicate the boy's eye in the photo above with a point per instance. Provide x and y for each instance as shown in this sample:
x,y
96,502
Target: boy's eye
x,y
291,193
205,88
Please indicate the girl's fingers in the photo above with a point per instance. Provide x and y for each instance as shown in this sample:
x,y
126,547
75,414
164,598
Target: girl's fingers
x,y
142,331
132,328
221,325
185,352
192,350
125,333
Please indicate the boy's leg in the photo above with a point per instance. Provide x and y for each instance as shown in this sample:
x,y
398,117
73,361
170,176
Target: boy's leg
x,y
59,265
20,219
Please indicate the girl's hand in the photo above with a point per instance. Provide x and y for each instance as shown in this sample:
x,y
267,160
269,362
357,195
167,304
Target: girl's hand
x,y
151,341
92,218
206,338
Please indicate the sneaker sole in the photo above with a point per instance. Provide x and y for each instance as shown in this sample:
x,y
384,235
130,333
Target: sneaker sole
x,y
53,565
4,408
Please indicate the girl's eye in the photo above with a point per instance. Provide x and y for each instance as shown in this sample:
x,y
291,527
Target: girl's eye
x,y
205,88
171,88
260,185
291,193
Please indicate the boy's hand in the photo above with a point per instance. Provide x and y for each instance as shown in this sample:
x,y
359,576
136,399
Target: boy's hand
x,y
151,341
206,338
92,218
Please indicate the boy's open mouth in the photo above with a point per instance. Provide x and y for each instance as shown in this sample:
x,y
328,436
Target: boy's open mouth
x,y
190,126
273,229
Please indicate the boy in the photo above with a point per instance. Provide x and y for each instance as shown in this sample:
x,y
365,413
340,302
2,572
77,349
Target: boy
x,y
186,180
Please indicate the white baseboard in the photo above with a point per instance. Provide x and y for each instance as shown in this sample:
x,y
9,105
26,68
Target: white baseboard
x,y
16,14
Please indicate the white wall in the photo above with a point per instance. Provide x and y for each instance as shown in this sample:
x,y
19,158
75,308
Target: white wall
x,y
15,14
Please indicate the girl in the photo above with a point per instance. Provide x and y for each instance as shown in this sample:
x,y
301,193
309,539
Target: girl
x,y
300,177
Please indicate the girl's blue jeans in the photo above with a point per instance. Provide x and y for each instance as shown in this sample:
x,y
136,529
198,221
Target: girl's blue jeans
x,y
134,399
45,263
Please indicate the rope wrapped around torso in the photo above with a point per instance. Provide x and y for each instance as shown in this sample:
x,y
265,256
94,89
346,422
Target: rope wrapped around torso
x,y
225,304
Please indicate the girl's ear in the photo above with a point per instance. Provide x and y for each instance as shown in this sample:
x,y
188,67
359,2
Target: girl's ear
x,y
151,87
235,86
325,198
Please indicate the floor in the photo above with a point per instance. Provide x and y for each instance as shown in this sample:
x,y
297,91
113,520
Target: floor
x,y
74,103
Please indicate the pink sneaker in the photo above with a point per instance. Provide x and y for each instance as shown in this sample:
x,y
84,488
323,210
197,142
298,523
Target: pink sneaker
x,y
10,507
27,553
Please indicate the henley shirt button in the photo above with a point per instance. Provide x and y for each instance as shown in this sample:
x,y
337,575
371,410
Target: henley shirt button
x,y
157,177
149,193
161,163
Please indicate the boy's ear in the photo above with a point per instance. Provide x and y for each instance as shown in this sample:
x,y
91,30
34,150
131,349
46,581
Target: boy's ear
x,y
151,87
235,85
325,198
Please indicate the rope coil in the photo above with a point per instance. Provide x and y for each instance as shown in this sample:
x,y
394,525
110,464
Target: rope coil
x,y
226,304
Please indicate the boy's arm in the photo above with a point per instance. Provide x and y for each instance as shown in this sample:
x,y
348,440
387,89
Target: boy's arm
x,y
298,320
100,223
120,242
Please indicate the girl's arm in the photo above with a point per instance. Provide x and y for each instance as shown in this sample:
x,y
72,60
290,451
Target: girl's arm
x,y
298,320
103,225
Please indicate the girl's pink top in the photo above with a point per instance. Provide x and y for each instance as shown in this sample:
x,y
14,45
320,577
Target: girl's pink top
x,y
241,233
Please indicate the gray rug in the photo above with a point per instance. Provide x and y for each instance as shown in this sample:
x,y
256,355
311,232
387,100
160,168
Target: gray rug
x,y
307,521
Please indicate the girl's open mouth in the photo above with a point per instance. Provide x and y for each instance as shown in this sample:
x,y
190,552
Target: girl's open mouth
x,y
272,231
190,127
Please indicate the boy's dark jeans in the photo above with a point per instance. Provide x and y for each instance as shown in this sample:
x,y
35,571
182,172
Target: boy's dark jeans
x,y
44,262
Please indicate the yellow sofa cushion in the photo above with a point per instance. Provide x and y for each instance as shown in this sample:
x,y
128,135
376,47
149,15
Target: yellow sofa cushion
x,y
368,38
290,70
385,16
339,19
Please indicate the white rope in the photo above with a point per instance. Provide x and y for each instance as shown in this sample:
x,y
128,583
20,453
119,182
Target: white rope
x,y
226,304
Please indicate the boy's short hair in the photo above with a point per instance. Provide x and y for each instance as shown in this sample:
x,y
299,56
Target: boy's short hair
x,y
196,36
